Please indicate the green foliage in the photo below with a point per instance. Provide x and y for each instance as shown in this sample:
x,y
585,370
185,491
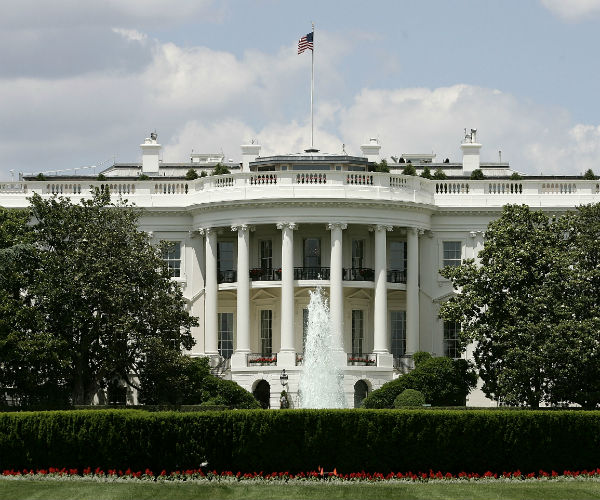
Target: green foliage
x,y
191,174
301,440
88,302
101,177
220,169
40,177
533,307
439,175
477,175
409,169
143,177
382,166
443,382
516,176
420,356
203,173
426,174
589,175
409,398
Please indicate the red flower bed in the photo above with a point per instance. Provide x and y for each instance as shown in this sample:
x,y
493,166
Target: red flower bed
x,y
318,475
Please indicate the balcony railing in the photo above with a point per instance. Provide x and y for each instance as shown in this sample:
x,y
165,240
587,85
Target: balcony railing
x,y
259,359
226,276
311,273
362,359
359,274
259,274
396,276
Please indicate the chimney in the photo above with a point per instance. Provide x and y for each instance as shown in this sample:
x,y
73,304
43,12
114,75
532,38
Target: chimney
x,y
371,150
150,151
249,153
470,149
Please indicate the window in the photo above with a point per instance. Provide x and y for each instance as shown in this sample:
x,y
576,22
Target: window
x,y
225,255
358,253
398,256
312,252
172,257
304,327
452,253
266,332
398,325
266,254
357,331
451,344
225,334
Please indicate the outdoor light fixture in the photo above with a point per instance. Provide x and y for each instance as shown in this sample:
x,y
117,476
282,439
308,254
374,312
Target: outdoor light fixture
x,y
283,378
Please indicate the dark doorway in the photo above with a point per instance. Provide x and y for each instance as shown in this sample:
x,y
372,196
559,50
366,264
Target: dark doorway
x,y
262,393
361,389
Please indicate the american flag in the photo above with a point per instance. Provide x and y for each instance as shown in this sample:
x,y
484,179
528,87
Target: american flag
x,y
306,42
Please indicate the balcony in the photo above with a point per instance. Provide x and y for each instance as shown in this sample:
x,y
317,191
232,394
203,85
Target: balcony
x,y
361,359
227,276
396,276
359,274
258,359
259,274
311,273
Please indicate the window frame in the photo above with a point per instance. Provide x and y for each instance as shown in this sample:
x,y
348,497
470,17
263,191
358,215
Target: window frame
x,y
266,326
229,351
451,344
173,263
358,344
402,339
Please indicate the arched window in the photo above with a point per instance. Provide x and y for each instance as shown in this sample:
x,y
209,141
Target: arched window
x,y
262,393
361,390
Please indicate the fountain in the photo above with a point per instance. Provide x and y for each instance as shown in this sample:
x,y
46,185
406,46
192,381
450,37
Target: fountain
x,y
322,376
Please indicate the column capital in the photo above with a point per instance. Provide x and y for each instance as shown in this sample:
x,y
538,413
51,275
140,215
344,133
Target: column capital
x,y
242,227
205,231
337,225
381,227
193,233
289,225
474,234
150,234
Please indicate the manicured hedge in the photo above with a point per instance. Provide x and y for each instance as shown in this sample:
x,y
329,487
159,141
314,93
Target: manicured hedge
x,y
297,440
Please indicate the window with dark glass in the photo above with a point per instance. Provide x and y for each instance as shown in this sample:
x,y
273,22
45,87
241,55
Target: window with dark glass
x,y
398,256
398,327
172,256
266,254
312,252
225,256
266,332
358,253
452,253
225,334
358,334
451,341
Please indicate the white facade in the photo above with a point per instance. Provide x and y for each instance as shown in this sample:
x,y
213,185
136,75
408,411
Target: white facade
x,y
253,243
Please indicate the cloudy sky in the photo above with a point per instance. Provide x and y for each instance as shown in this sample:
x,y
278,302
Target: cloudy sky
x,y
84,82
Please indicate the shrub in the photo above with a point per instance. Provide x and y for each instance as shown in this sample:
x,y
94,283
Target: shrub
x,y
220,169
409,169
515,176
191,174
477,175
589,175
101,177
420,356
443,382
143,177
409,398
301,440
203,173
426,174
439,175
382,166
40,177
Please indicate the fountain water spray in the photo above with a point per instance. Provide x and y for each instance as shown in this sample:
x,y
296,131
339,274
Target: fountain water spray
x,y
321,379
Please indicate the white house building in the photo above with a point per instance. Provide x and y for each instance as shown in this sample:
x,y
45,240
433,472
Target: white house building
x,y
248,247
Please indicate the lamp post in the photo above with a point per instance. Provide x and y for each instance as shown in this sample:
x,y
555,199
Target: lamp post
x,y
283,400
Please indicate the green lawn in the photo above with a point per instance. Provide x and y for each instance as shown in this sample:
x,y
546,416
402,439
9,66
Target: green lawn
x,y
82,490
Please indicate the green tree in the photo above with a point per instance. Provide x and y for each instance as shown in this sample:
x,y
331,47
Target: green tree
x,y
439,175
515,176
382,166
409,169
103,291
426,174
191,174
510,304
589,175
477,175
220,169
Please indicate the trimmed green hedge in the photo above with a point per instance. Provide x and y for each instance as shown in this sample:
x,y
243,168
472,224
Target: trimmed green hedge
x,y
296,440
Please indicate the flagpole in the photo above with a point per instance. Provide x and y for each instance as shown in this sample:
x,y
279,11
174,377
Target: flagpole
x,y
312,87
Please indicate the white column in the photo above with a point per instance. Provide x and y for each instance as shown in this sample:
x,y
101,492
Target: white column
x,y
287,354
336,293
242,347
412,291
210,292
380,340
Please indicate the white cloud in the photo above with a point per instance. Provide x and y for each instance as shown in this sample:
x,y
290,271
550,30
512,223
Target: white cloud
x,y
133,35
573,10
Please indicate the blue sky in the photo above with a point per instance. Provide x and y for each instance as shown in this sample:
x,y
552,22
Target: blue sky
x,y
84,82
